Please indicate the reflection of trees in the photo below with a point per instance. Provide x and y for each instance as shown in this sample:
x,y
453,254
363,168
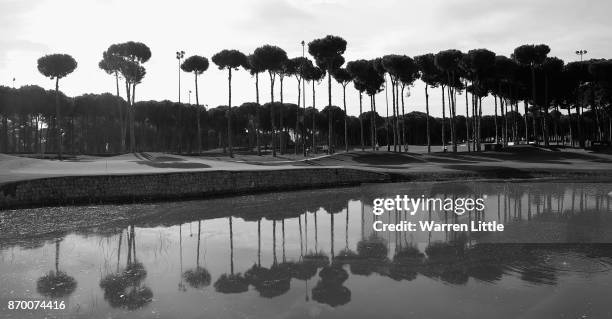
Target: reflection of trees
x,y
124,289
374,247
181,285
276,280
272,282
231,283
197,277
346,253
444,261
264,206
371,253
331,293
454,264
329,289
406,263
484,265
371,256
303,269
317,257
56,284
451,188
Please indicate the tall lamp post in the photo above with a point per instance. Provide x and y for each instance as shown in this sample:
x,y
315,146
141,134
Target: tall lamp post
x,y
579,110
581,53
189,97
179,57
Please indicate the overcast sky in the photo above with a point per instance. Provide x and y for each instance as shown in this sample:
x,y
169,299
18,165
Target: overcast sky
x,y
85,28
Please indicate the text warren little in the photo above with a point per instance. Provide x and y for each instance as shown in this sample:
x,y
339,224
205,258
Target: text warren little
x,y
474,226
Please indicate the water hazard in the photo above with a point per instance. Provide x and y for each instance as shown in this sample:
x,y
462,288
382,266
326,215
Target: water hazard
x,y
314,254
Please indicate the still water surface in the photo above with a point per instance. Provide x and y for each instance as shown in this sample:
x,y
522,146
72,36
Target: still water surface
x,y
314,254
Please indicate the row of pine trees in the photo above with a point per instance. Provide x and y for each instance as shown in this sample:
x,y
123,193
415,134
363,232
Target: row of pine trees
x,y
547,87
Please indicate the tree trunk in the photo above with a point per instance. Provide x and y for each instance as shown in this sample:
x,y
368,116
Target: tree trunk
x,y
372,122
5,133
595,110
504,110
533,96
534,126
526,124
403,139
581,139
199,139
330,114
258,117
129,110
569,120
346,144
609,128
272,113
427,120
132,123
495,121
58,124
361,120
297,116
37,136
478,145
545,107
474,122
121,122
452,115
387,118
314,111
397,117
374,118
280,117
443,120
467,119
229,113
393,119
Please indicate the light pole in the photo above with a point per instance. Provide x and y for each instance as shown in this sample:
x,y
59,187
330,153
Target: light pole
x,y
179,57
189,97
579,109
13,83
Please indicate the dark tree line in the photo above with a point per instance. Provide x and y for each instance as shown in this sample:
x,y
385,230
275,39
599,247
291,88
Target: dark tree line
x,y
563,103
91,124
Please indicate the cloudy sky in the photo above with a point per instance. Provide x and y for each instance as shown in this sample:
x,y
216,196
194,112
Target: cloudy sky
x,y
85,28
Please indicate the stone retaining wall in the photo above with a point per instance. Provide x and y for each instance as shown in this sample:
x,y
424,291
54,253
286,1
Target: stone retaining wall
x,y
139,187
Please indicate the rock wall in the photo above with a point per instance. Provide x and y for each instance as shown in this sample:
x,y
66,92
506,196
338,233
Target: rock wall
x,y
145,187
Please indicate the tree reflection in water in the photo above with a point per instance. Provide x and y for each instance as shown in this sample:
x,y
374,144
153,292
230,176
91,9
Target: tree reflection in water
x,y
124,289
197,277
303,269
56,284
329,289
274,281
453,258
406,261
346,253
231,283
316,257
